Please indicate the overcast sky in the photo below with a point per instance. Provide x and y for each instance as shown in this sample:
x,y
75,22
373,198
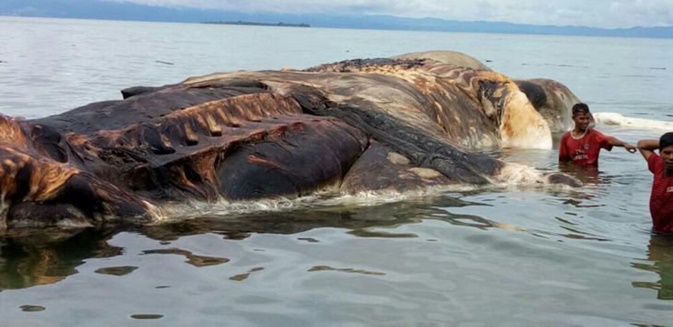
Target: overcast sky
x,y
595,13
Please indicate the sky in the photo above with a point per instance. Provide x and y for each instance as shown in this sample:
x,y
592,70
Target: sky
x,y
593,13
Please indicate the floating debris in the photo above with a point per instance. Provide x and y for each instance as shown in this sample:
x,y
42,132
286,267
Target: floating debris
x,y
242,277
346,270
32,308
146,316
116,271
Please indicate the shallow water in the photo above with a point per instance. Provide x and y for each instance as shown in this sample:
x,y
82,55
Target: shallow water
x,y
505,255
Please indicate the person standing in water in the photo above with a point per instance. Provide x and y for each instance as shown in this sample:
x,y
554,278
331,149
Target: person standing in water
x,y
582,145
661,166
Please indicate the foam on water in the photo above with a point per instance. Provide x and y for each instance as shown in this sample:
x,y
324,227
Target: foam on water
x,y
195,209
612,118
513,176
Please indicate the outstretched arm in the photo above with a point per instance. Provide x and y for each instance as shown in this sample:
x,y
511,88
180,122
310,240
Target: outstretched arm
x,y
617,142
647,147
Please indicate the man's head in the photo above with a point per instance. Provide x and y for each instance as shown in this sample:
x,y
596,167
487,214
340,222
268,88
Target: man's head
x,y
665,140
581,116
666,149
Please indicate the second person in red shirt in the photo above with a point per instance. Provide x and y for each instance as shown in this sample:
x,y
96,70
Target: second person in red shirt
x,y
582,145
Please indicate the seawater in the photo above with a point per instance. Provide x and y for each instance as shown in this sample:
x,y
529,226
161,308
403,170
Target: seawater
x,y
507,255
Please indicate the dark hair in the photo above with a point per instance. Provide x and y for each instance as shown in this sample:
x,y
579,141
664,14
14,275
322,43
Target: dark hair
x,y
580,107
665,140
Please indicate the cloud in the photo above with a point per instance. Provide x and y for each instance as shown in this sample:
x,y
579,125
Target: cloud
x,y
595,13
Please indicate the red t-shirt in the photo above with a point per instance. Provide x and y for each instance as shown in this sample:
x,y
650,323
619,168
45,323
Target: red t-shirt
x,y
661,198
583,151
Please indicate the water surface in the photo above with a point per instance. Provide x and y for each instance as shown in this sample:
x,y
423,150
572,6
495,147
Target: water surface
x,y
498,256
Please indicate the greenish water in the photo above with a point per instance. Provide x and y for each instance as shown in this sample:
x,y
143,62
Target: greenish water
x,y
507,255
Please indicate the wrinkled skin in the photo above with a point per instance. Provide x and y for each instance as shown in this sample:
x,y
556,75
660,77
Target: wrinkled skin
x,y
253,135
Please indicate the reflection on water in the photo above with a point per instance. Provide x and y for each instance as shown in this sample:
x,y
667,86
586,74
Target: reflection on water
x,y
116,271
452,241
358,219
192,259
397,253
660,257
588,175
49,256
242,277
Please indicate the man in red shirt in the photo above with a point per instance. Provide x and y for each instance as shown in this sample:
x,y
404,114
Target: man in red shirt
x,y
582,145
661,165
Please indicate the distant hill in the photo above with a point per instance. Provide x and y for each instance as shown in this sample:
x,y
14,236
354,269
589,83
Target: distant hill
x,y
240,22
95,9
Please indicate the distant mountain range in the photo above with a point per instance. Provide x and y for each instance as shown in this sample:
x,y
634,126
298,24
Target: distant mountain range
x,y
95,9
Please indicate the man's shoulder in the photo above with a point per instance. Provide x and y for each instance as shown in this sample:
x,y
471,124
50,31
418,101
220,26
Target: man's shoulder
x,y
597,136
654,163
595,132
654,157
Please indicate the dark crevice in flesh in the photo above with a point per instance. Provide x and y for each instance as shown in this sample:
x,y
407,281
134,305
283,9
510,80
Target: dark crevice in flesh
x,y
422,149
535,93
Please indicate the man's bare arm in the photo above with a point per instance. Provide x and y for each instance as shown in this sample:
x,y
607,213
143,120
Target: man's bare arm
x,y
647,147
617,142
